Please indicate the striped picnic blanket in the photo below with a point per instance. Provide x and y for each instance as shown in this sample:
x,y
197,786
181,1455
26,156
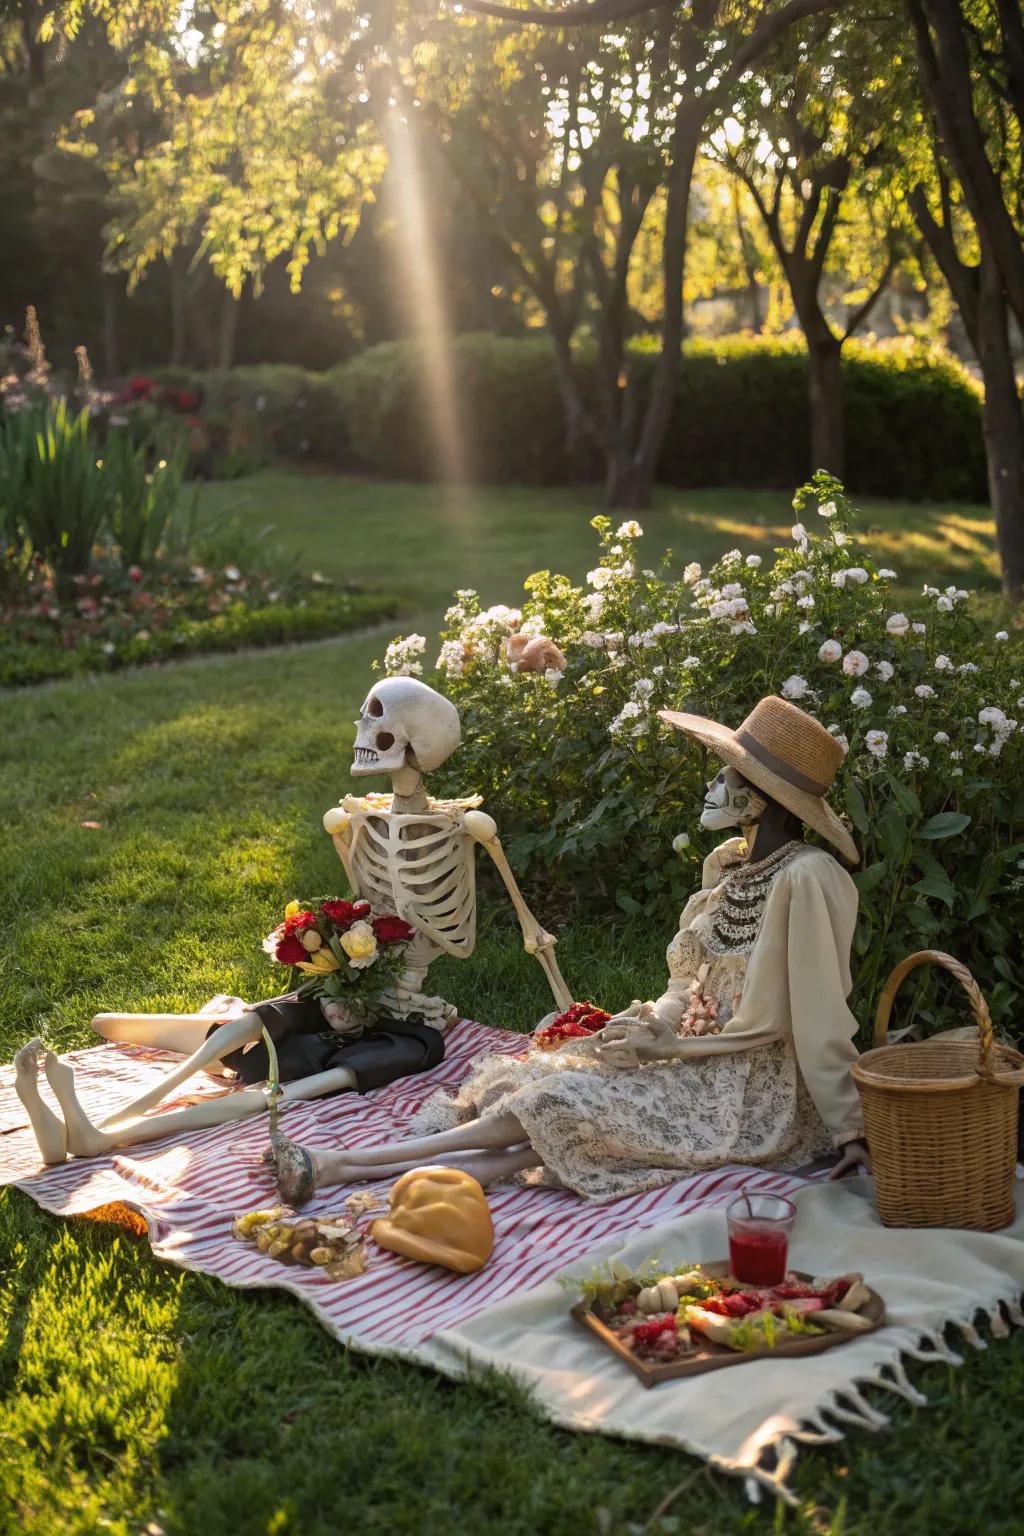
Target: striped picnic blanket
x,y
190,1188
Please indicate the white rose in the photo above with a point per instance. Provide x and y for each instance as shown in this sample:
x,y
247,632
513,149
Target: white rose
x,y
794,687
827,509
753,561
897,624
629,530
925,691
943,664
944,604
877,743
885,670
600,578
855,663
680,842
692,573
861,699
830,650
886,575
1002,634
941,739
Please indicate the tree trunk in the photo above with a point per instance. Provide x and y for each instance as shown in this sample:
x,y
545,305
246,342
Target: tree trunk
x,y
111,288
178,273
227,328
1003,424
633,462
825,395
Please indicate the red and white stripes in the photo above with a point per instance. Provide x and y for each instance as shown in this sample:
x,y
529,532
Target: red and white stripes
x,y
189,1190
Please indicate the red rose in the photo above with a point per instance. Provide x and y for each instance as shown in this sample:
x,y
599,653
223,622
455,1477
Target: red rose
x,y
361,909
290,951
298,923
341,913
392,930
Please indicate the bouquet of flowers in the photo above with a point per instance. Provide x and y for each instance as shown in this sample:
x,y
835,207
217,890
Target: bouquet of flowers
x,y
349,955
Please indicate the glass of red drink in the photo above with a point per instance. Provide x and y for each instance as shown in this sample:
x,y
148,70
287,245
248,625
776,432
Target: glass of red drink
x,y
759,1228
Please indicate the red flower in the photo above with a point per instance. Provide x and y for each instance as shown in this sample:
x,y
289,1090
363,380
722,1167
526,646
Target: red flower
x,y
135,572
361,909
392,930
290,951
298,923
341,913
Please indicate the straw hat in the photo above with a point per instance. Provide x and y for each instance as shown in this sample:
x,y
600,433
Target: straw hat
x,y
785,752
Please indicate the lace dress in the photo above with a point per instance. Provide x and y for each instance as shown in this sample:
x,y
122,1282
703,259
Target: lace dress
x,y
606,1132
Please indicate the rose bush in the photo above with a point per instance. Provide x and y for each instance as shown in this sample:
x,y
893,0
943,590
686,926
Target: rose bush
x,y
598,803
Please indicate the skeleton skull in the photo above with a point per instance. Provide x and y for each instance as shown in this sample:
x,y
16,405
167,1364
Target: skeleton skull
x,y
404,724
731,802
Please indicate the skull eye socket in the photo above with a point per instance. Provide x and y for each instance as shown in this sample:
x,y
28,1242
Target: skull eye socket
x,y
385,741
374,706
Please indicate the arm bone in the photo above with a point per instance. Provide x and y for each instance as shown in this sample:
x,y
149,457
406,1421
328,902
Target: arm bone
x,y
536,941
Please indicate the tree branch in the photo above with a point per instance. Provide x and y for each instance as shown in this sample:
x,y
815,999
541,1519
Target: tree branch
x,y
861,313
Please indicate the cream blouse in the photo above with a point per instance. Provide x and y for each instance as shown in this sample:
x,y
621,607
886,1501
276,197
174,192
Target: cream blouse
x,y
796,981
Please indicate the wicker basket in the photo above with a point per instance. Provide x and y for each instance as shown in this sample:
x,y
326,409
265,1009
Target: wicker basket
x,y
941,1117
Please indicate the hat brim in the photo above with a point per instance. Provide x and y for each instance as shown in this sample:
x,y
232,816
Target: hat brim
x,y
814,811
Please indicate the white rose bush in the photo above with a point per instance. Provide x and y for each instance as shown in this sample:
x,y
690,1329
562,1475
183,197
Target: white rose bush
x,y
591,790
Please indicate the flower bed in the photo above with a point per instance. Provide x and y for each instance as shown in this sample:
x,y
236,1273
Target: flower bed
x,y
598,803
115,617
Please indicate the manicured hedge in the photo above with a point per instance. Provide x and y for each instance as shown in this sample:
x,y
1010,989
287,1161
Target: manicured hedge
x,y
253,414
913,419
508,410
281,623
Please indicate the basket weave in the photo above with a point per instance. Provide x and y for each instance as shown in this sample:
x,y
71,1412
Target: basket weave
x,y
941,1117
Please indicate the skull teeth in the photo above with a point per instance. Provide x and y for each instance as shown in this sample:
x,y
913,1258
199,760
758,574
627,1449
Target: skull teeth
x,y
364,755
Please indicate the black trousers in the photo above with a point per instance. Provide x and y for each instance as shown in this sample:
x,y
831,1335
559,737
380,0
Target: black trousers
x,y
392,1049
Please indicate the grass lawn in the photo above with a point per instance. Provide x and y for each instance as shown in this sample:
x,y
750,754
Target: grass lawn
x,y
134,1398
427,540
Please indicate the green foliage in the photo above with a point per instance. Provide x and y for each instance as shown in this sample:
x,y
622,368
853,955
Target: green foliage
x,y
591,790
279,623
53,493
740,417
133,1393
509,409
145,496
250,415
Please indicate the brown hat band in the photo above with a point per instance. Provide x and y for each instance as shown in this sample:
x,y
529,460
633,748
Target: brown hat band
x,y
779,765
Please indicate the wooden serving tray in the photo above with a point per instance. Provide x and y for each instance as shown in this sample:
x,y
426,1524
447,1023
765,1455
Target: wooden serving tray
x,y
708,1356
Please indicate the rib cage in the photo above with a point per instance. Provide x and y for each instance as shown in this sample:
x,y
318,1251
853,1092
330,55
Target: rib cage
x,y
422,868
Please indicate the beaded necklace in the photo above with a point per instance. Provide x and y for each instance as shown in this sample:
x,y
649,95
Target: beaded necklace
x,y
737,918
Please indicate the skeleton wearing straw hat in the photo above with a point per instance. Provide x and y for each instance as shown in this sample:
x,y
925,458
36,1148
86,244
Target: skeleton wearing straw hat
x,y
746,1055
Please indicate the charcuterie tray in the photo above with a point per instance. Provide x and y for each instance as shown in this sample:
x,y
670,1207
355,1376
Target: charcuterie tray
x,y
707,1355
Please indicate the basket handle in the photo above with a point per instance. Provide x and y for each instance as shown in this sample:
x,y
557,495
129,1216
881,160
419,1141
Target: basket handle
x,y
979,1007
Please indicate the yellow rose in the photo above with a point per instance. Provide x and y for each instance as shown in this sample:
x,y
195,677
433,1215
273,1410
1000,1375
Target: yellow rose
x,y
320,964
291,909
360,944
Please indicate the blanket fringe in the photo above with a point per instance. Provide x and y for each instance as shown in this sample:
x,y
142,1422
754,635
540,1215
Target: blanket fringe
x,y
860,1413
899,1383
775,1479
938,1349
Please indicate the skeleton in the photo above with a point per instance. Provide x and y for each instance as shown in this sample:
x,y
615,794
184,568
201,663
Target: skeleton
x,y
412,856
495,1146
406,854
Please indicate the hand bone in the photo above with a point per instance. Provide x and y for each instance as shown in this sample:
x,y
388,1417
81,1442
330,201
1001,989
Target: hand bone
x,y
637,1040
